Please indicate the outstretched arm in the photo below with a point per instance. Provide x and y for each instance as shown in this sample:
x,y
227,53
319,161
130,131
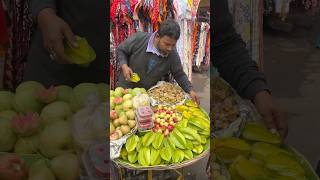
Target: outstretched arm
x,y
236,67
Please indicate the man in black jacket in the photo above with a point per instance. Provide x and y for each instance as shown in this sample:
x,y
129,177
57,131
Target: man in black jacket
x,y
235,66
152,56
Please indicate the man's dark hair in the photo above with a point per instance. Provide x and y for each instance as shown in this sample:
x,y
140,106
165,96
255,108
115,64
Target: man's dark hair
x,y
169,27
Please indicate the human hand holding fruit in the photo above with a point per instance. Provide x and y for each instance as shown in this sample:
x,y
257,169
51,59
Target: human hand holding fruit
x,y
194,97
127,72
54,31
273,116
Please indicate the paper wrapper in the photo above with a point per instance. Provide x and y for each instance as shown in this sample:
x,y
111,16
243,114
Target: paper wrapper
x,y
155,102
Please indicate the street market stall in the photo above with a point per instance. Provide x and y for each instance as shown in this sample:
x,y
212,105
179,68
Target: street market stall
x,y
147,126
244,148
158,129
128,17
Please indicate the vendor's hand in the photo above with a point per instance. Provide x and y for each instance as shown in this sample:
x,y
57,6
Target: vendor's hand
x,y
127,72
272,115
54,31
12,167
194,97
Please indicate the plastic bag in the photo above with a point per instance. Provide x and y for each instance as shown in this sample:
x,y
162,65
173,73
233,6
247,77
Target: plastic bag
x,y
88,125
96,161
141,100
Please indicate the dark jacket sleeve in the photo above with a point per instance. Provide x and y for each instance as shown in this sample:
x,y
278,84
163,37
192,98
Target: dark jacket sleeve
x,y
126,48
231,57
178,73
38,5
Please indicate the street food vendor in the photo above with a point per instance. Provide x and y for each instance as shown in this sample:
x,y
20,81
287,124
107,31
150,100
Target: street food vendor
x,y
152,56
234,64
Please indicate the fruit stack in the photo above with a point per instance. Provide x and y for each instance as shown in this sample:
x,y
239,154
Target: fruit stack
x,y
144,118
122,113
38,120
165,118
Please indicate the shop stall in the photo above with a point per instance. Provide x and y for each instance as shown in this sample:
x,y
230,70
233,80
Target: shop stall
x,y
157,129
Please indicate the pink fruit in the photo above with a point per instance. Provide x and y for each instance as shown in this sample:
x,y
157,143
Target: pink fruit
x,y
47,95
26,125
118,100
113,114
114,136
126,91
170,127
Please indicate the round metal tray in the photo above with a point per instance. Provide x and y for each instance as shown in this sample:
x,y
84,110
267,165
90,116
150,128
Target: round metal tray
x,y
128,165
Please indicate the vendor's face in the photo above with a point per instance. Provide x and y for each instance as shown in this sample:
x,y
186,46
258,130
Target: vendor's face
x,y
166,44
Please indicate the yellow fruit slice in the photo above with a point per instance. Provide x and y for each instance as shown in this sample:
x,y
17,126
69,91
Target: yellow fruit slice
x,y
82,55
135,78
